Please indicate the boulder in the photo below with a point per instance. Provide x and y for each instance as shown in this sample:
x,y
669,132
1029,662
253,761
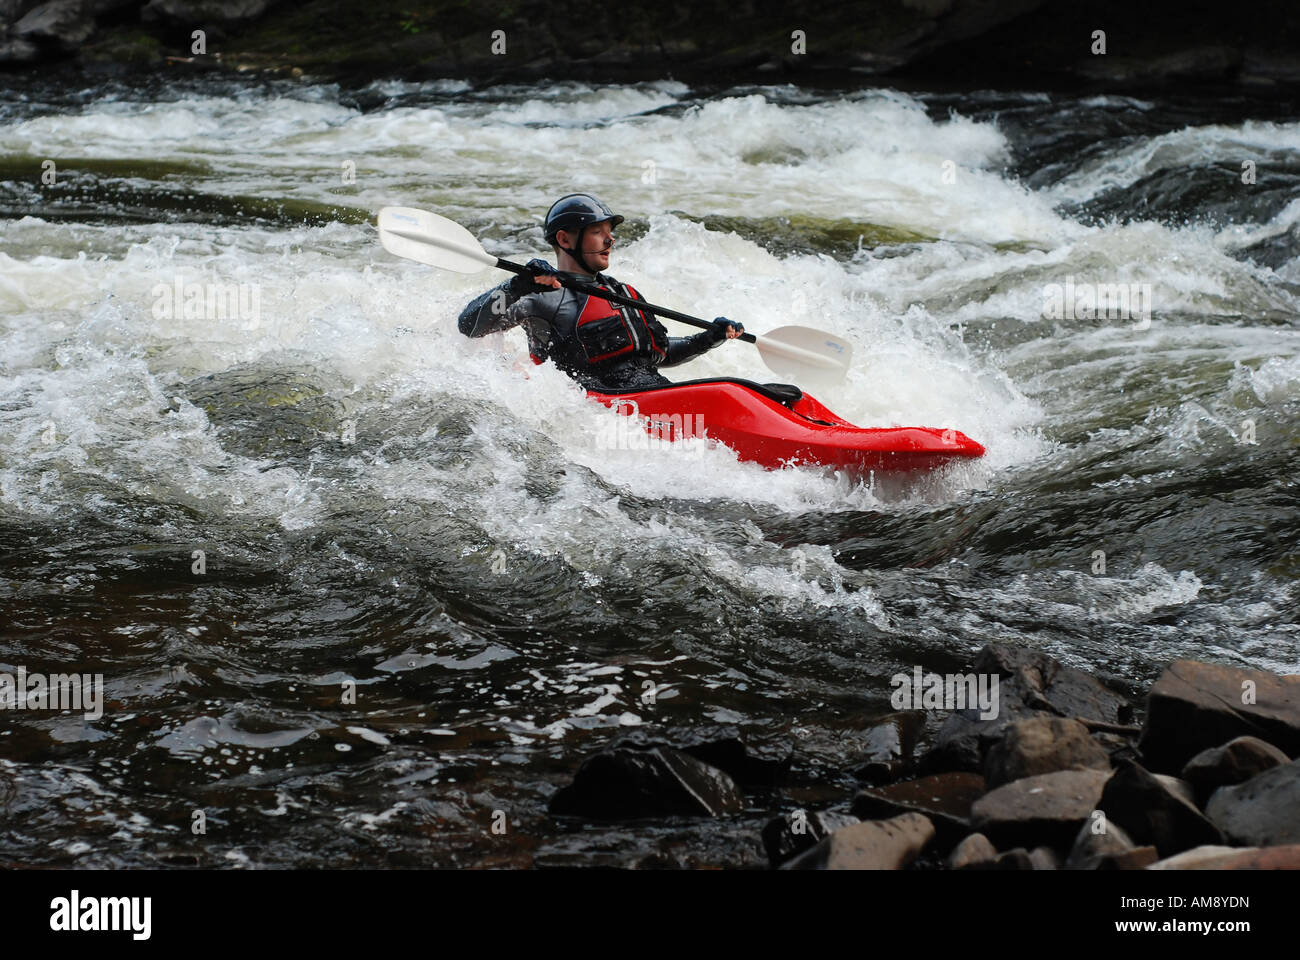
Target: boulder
x,y
790,835
1195,706
1156,811
1042,744
1262,812
1233,763
974,852
1048,808
624,782
1031,683
945,798
870,845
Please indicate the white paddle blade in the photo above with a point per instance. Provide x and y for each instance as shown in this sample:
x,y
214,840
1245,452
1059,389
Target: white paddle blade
x,y
805,354
428,238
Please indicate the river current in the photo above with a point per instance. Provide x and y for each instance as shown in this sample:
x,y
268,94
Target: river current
x,y
359,586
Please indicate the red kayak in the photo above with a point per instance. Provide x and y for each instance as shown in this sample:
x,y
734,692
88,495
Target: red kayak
x,y
777,425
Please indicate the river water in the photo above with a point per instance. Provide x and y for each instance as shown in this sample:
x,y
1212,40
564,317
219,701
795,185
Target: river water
x,y
356,583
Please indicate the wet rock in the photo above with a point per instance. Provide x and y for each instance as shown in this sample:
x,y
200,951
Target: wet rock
x,y
1047,808
750,765
1195,706
944,798
889,743
870,845
787,836
975,852
1031,683
1042,744
1235,762
1154,810
1263,812
624,782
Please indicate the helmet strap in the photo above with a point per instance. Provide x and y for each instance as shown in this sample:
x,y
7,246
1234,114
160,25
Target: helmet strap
x,y
576,252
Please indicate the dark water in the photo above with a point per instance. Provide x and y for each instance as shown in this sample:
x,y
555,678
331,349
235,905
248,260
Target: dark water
x,y
427,593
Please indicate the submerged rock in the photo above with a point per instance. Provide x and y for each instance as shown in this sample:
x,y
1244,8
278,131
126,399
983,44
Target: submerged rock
x,y
626,782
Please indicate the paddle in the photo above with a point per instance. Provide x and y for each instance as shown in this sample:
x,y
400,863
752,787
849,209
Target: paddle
x,y
797,352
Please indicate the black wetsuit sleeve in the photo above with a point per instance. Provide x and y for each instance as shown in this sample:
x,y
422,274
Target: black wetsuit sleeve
x,y
489,313
681,349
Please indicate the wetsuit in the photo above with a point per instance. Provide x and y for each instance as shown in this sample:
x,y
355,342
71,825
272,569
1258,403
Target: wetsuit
x,y
600,344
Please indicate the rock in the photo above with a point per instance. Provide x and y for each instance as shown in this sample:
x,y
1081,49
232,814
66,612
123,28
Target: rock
x,y
18,51
1031,683
870,845
1195,706
747,764
1044,858
1017,859
1205,857
1042,744
64,22
974,852
889,743
1234,858
1233,763
187,13
785,837
1155,811
944,798
1047,808
1139,858
1098,839
1262,812
624,782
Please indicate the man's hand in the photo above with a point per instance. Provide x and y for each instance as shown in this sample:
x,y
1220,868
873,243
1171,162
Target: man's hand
x,y
541,276
724,329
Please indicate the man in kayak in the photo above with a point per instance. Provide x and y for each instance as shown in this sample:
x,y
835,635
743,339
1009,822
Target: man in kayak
x,y
601,345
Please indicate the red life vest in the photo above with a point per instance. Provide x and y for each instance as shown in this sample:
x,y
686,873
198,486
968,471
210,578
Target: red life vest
x,y
606,330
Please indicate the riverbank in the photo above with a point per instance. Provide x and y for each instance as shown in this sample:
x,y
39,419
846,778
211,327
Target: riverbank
x,y
1111,46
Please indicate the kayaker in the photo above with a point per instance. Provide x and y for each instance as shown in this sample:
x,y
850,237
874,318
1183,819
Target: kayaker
x,y
601,345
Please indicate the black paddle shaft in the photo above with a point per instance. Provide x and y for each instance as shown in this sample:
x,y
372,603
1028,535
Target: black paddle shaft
x,y
595,291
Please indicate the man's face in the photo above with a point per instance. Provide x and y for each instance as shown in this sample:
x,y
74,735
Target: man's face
x,y
596,244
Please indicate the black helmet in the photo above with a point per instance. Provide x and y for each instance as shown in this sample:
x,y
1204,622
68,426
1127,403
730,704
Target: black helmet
x,y
576,211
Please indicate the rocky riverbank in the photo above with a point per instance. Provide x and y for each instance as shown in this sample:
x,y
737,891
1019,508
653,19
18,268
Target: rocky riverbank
x,y
1057,776
1110,45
